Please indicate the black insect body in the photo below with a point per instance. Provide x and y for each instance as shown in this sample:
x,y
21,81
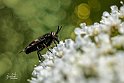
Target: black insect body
x,y
42,42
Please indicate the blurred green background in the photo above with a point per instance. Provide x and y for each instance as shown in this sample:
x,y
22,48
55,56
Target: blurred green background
x,y
22,21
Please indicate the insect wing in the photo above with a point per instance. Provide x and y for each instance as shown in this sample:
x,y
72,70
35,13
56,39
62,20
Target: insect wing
x,y
34,42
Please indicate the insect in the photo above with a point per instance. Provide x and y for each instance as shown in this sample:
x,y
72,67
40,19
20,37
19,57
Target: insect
x,y
42,42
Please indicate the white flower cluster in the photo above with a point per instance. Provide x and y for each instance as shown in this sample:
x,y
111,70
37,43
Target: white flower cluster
x,y
96,55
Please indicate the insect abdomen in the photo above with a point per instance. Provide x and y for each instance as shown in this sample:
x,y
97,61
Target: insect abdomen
x,y
33,48
30,49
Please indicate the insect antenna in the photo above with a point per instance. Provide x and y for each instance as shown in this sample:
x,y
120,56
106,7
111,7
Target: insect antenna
x,y
59,28
22,51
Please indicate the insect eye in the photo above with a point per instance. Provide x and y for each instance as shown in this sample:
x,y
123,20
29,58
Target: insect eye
x,y
53,34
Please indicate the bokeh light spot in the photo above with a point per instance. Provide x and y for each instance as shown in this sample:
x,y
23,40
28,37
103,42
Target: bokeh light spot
x,y
83,11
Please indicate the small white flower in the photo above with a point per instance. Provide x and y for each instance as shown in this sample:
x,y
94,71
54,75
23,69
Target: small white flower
x,y
121,29
118,41
114,9
121,11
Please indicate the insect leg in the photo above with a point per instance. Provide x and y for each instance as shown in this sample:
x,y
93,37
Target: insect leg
x,y
57,40
40,57
47,48
55,43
